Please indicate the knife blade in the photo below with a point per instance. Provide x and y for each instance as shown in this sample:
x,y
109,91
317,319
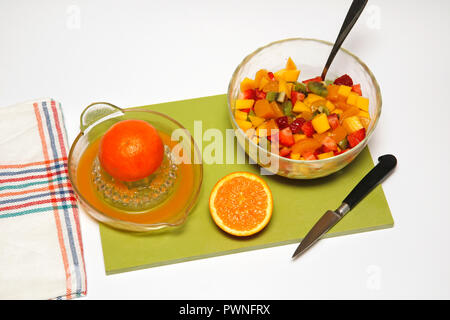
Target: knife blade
x,y
385,165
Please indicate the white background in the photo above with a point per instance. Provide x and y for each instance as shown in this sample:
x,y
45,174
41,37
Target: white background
x,y
134,53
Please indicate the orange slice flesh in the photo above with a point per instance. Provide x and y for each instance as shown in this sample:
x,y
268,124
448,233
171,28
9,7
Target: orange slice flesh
x,y
241,204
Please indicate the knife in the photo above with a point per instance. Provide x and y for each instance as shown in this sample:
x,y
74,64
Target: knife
x,y
385,165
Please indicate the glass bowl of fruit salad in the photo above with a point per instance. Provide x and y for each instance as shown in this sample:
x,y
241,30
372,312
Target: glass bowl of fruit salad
x,y
292,122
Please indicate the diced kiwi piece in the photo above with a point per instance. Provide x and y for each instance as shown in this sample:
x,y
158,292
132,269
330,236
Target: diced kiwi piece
x,y
300,87
318,88
281,97
287,108
323,109
252,113
271,96
329,82
343,144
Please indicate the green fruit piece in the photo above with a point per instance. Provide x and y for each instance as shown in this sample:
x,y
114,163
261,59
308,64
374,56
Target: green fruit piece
x,y
318,88
271,96
287,108
300,87
343,144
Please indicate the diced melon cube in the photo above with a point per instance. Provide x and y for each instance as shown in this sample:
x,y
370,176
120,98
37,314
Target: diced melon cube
x,y
344,91
240,115
244,125
290,65
325,155
320,123
247,84
352,124
256,121
363,103
244,103
312,98
300,107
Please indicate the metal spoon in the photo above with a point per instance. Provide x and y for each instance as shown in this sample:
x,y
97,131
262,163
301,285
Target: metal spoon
x,y
353,14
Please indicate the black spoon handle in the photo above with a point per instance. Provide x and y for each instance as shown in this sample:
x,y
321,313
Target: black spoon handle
x,y
353,14
385,165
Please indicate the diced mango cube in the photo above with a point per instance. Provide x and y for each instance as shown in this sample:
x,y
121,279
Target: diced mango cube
x,y
282,85
352,98
325,155
364,114
261,131
263,109
276,109
290,65
289,87
338,111
244,125
352,124
320,123
256,121
301,107
295,156
298,137
291,75
264,81
312,98
344,91
244,103
247,84
240,115
263,73
363,103
330,106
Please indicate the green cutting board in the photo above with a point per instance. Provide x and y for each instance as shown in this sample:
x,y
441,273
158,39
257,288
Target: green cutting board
x,y
297,206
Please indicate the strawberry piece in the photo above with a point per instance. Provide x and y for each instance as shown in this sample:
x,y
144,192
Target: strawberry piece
x,y
297,96
333,120
285,152
309,155
249,94
336,153
296,125
271,75
356,137
246,110
282,122
259,95
345,80
316,79
357,88
308,129
286,137
329,144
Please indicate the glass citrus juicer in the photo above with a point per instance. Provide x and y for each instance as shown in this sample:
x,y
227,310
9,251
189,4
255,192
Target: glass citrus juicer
x,y
160,198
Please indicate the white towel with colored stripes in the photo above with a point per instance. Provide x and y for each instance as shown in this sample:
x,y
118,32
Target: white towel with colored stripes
x,y
41,251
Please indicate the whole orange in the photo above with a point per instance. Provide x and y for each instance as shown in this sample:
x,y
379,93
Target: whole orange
x,y
131,150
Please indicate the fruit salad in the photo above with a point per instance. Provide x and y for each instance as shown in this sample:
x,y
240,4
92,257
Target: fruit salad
x,y
302,120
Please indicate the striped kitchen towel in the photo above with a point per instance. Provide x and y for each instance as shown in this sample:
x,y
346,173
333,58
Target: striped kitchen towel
x,y
41,252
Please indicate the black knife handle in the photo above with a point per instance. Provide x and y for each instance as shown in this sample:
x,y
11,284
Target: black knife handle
x,y
385,165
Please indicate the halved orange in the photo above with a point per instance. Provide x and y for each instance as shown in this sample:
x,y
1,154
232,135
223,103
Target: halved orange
x,y
241,204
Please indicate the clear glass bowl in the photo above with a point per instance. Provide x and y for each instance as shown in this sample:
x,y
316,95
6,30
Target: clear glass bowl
x,y
96,119
310,56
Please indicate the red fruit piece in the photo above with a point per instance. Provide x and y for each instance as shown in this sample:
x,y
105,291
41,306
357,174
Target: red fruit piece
x,y
309,156
308,129
329,144
282,122
285,152
356,137
259,95
316,79
333,120
345,80
271,75
286,137
245,110
296,125
336,153
249,94
297,96
357,88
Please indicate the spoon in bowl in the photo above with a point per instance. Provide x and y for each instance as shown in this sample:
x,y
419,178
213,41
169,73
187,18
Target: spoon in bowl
x,y
353,14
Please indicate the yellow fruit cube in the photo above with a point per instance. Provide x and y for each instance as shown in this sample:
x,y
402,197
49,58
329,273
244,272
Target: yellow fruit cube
x,y
264,81
338,111
282,85
352,98
240,115
312,98
352,124
290,65
291,75
364,114
289,87
344,91
261,131
256,121
330,106
363,103
301,107
247,84
244,125
295,156
298,137
320,123
244,103
325,155
259,76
